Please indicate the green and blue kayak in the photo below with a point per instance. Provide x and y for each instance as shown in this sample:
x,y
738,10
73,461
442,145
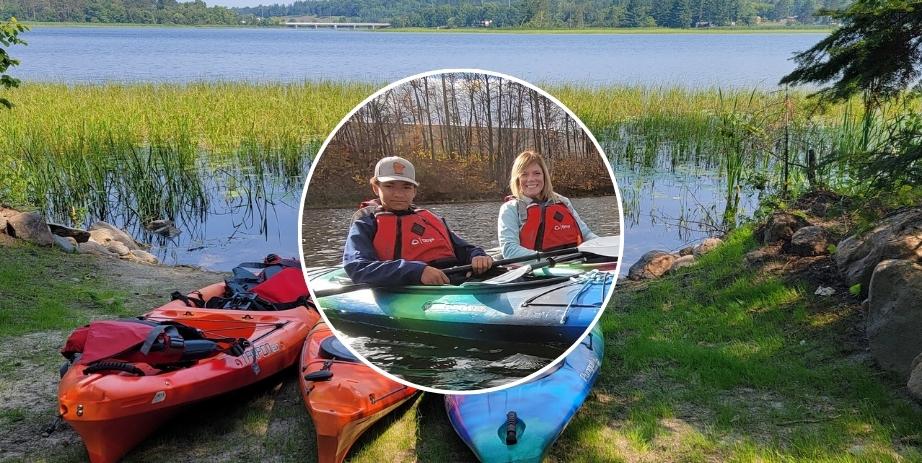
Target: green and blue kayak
x,y
519,424
550,305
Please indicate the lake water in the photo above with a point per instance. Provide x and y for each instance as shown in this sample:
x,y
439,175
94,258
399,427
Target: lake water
x,y
234,230
159,54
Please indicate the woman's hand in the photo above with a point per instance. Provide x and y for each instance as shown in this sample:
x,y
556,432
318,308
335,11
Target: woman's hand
x,y
433,276
481,264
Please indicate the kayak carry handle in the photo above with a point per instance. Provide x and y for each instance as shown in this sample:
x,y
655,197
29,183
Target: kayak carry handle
x,y
323,374
319,375
511,420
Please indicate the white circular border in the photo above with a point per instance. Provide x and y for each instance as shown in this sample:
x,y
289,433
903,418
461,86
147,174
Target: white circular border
x,y
598,148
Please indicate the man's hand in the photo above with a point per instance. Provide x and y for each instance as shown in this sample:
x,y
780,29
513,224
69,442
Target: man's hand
x,y
433,276
481,264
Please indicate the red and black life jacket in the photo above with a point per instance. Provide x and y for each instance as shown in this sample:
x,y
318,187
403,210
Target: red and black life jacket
x,y
109,342
418,235
279,286
548,227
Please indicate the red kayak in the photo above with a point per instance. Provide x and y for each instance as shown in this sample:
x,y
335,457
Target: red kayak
x,y
344,396
218,339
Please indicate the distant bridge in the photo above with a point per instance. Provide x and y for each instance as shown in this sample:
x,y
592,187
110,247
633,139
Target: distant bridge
x,y
319,25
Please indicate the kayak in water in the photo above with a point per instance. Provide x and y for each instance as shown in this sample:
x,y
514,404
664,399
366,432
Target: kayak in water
x,y
548,305
343,395
124,378
520,423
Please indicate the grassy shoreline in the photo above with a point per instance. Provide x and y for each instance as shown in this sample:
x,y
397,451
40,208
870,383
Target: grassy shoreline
x,y
721,362
67,141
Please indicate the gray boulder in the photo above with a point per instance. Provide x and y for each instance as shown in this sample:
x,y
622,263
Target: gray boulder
x,y
81,236
896,237
682,262
706,246
781,227
104,233
5,214
915,379
895,315
117,248
92,247
810,241
66,243
687,250
651,265
30,226
143,256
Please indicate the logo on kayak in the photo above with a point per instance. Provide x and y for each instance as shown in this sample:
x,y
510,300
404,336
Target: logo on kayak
x,y
590,369
418,241
160,396
258,352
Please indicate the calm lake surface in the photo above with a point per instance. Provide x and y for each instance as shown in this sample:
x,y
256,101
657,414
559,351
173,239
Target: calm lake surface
x,y
159,54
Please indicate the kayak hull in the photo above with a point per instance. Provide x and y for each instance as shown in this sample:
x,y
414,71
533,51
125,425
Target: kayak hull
x,y
347,403
543,408
555,308
114,411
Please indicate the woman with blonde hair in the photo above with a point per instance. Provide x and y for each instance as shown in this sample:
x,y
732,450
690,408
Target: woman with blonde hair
x,y
535,218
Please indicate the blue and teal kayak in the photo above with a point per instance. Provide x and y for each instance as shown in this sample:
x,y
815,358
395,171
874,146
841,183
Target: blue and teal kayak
x,y
519,424
552,305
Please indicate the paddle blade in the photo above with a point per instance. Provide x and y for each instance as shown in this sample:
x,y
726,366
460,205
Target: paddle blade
x,y
608,246
509,276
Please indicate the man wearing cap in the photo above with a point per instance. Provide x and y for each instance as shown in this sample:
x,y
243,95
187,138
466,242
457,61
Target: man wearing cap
x,y
391,242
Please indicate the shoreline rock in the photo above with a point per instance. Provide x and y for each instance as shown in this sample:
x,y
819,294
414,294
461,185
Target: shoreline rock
x,y
894,320
653,264
898,236
31,227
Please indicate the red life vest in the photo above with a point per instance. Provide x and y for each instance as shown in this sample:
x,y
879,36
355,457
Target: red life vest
x,y
548,227
419,236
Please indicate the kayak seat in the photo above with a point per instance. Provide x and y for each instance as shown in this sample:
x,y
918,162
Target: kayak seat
x,y
331,348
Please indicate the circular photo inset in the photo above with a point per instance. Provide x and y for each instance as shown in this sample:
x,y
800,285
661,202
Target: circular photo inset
x,y
461,232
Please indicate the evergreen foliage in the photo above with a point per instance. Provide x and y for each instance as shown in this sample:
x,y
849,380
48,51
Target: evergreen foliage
x,y
875,54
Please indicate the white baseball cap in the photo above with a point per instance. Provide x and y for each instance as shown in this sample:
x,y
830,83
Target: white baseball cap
x,y
395,168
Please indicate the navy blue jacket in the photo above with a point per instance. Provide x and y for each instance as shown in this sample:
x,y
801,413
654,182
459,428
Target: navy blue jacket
x,y
362,265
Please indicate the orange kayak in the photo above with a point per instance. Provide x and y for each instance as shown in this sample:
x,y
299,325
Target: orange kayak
x,y
344,396
115,409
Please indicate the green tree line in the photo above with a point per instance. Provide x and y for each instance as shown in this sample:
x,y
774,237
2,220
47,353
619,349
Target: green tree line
x,y
557,13
436,13
119,11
